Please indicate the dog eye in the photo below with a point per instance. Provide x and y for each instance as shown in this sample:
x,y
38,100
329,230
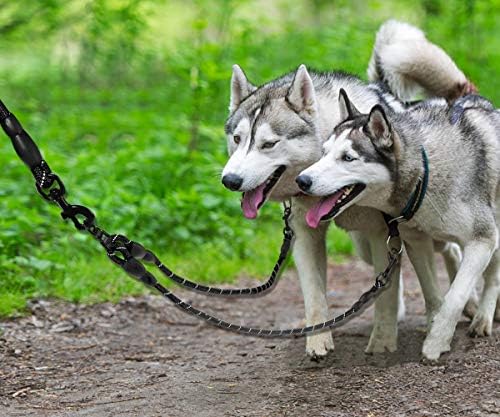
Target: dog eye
x,y
269,145
347,158
237,139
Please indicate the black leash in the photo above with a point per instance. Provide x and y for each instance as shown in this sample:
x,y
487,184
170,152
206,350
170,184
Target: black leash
x,y
129,255
140,253
52,189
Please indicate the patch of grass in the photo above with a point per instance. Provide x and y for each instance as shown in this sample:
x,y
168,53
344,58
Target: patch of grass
x,y
134,125
130,163
75,268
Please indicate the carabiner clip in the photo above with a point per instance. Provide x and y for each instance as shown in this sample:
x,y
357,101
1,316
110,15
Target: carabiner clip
x,y
73,211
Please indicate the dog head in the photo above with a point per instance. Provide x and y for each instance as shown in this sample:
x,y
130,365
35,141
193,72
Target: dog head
x,y
271,137
359,160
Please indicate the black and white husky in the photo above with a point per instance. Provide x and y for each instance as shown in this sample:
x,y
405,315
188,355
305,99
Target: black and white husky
x,y
278,129
375,160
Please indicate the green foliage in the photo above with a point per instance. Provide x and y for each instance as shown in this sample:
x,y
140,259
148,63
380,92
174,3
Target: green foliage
x,y
38,17
128,99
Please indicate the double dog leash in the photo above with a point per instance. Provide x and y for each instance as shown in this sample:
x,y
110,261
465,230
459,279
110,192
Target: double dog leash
x,y
131,256
52,189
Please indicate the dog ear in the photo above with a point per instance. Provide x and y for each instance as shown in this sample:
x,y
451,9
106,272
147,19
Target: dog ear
x,y
302,96
347,109
379,128
240,88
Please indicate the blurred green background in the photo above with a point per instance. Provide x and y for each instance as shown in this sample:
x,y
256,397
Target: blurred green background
x,y
128,99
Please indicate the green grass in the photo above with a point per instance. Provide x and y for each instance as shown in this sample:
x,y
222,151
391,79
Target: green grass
x,y
74,267
134,126
128,161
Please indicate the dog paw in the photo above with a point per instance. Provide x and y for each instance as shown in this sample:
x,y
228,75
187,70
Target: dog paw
x,y
433,348
318,346
429,362
481,326
382,340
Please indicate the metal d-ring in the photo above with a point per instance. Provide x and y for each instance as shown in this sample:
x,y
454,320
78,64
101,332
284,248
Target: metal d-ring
x,y
399,219
396,249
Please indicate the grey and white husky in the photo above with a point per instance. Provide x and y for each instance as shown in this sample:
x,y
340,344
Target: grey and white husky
x,y
375,160
278,129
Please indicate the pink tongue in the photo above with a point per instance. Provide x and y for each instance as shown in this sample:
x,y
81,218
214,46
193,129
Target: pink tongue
x,y
251,200
314,214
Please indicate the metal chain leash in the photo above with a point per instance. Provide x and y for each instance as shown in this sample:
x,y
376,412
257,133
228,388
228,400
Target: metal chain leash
x,y
130,255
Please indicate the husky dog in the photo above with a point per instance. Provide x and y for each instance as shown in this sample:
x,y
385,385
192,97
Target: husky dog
x,y
277,130
376,159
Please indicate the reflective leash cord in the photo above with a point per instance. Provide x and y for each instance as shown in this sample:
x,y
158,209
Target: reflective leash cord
x,y
129,255
270,284
52,189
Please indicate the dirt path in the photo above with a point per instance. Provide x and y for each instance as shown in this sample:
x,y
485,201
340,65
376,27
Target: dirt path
x,y
143,358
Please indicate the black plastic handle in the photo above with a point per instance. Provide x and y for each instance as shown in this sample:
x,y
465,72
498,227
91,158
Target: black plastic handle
x,y
21,140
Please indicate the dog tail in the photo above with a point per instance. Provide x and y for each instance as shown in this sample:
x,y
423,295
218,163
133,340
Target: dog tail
x,y
410,65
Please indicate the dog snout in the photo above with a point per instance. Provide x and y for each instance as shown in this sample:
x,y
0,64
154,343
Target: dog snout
x,y
304,182
232,181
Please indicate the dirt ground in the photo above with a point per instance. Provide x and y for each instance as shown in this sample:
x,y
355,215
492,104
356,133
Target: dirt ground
x,y
142,357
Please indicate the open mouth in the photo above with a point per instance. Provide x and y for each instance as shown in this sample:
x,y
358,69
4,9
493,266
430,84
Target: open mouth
x,y
330,206
253,200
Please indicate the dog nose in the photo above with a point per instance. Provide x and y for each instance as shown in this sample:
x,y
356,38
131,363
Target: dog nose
x,y
232,181
304,182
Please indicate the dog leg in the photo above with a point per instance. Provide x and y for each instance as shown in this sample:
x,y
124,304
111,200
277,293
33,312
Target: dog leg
x,y
420,250
452,257
384,336
497,310
476,257
309,252
362,245
482,322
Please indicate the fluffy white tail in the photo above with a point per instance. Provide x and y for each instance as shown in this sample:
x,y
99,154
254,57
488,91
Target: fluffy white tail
x,y
410,65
